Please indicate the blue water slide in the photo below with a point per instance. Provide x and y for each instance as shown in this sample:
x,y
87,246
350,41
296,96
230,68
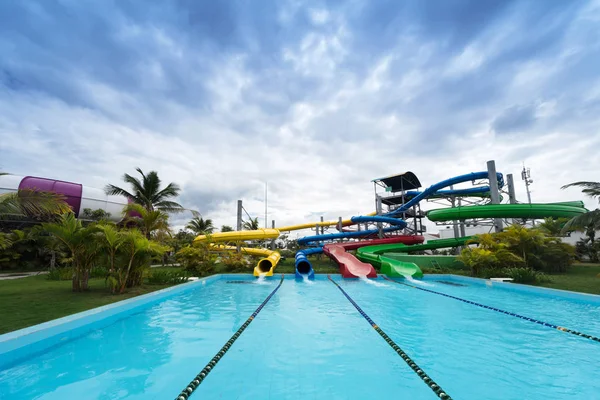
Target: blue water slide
x,y
431,190
475,191
377,218
346,235
303,266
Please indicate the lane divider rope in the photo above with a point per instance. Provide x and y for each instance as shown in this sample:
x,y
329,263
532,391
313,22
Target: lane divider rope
x,y
536,321
440,393
193,385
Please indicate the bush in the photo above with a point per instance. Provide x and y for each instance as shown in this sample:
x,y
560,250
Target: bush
x,y
162,277
197,260
99,272
234,262
60,274
526,275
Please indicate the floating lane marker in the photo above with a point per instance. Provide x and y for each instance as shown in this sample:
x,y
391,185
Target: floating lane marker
x,y
193,385
546,324
440,393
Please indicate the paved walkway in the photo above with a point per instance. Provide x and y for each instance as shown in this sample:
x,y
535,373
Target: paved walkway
x,y
17,275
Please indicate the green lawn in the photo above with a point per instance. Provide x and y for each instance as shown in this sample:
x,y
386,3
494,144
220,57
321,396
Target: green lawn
x,y
580,278
29,301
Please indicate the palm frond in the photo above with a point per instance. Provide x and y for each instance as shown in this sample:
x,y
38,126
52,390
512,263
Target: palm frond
x,y
169,206
583,221
591,189
113,190
33,203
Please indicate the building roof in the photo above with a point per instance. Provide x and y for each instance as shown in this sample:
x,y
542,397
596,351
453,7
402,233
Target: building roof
x,y
396,183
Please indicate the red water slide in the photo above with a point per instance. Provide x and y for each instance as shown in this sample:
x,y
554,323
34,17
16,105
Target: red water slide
x,y
350,266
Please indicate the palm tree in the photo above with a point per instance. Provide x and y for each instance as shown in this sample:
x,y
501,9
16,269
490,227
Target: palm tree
x,y
553,226
201,226
226,228
110,240
148,221
251,225
148,193
81,243
590,219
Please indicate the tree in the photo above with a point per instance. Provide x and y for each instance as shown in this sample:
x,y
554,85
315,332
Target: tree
x,y
94,215
135,246
590,218
201,226
110,241
251,225
226,228
81,244
553,226
148,221
148,193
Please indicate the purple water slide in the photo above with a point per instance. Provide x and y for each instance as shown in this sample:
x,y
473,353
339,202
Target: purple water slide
x,y
71,191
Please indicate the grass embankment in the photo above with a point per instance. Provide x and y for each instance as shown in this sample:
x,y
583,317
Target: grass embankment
x,y
33,300
579,278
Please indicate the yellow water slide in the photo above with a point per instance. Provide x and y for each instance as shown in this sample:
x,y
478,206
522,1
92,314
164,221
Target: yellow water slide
x,y
267,264
345,222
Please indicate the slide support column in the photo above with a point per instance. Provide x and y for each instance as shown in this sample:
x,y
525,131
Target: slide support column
x,y
239,220
494,195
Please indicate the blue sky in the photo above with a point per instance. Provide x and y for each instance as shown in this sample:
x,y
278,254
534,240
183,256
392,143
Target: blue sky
x,y
315,97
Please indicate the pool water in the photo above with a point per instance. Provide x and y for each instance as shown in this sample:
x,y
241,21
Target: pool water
x,y
310,342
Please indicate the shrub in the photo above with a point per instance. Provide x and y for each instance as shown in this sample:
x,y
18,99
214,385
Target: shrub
x,y
60,274
99,272
526,275
234,261
197,260
161,277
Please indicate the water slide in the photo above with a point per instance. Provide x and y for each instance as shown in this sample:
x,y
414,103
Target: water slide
x,y
391,218
265,265
527,211
350,266
395,268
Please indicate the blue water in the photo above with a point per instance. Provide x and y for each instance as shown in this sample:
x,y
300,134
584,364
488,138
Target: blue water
x,y
309,342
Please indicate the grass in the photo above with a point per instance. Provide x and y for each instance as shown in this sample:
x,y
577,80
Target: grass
x,y
33,300
579,278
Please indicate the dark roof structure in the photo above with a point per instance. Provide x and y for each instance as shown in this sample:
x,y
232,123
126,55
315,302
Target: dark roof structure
x,y
396,183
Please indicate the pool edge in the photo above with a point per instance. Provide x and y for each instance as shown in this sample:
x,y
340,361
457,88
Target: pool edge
x,y
19,344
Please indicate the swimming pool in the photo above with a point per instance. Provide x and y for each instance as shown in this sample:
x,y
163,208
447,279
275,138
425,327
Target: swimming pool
x,y
310,342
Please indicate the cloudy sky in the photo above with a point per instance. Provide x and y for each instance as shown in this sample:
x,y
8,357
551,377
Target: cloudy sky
x,y
315,97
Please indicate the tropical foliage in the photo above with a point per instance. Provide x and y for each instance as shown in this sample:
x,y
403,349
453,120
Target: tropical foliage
x,y
149,222
226,228
147,192
197,259
79,240
201,226
517,248
32,204
251,225
591,219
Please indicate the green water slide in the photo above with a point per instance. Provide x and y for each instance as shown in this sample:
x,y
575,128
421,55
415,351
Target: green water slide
x,y
528,211
391,267
376,255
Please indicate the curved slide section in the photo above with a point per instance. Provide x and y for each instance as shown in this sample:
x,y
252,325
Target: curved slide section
x,y
350,266
395,268
344,235
303,266
266,265
527,211
431,190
